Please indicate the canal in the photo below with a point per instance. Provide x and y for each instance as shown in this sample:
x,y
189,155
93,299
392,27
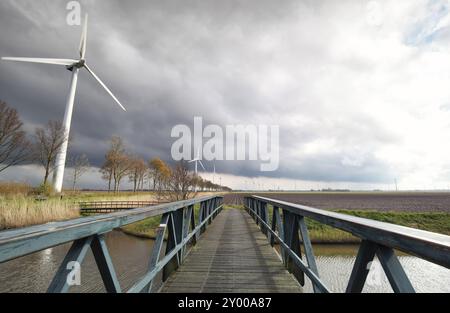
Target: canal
x,y
130,255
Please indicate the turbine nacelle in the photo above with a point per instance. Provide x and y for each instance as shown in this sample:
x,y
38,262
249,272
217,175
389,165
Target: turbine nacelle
x,y
79,64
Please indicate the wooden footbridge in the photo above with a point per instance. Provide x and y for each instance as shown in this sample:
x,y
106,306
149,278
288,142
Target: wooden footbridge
x,y
200,247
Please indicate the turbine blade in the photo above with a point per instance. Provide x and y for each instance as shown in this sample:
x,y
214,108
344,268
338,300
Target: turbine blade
x,y
65,62
84,38
104,86
202,165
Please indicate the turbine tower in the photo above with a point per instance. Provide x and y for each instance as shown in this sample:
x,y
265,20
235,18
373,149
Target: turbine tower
x,y
214,173
74,66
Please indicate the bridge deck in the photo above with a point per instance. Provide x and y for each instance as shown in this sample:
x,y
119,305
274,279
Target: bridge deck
x,y
232,256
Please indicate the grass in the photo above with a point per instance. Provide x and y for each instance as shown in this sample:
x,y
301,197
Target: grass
x,y
144,229
147,228
109,196
23,211
19,208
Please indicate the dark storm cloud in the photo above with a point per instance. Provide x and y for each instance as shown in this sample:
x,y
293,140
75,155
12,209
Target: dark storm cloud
x,y
168,61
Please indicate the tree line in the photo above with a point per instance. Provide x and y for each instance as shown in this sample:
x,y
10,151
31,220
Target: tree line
x,y
171,182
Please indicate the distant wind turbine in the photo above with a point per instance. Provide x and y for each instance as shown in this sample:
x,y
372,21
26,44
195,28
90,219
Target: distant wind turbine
x,y
197,160
74,66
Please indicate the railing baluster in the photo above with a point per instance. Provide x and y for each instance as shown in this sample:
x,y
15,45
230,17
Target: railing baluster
x,y
293,241
280,226
264,217
104,264
186,222
175,237
209,210
76,254
193,226
310,258
360,270
273,225
394,271
157,248
256,212
202,217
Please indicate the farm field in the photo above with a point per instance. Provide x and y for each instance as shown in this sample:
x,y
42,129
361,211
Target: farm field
x,y
360,201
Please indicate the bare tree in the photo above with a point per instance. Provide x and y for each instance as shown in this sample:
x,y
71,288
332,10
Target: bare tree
x,y
122,166
14,146
137,171
151,176
48,142
117,163
181,182
107,171
161,176
80,165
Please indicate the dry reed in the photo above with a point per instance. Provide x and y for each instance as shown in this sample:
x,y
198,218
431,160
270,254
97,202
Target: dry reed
x,y
24,211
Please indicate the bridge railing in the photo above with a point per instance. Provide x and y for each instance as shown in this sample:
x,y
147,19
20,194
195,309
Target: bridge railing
x,y
113,206
288,228
178,224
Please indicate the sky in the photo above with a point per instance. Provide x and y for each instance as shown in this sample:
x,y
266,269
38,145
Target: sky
x,y
359,89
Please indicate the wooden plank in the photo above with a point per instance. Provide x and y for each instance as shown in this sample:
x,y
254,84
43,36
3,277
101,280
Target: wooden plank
x,y
233,256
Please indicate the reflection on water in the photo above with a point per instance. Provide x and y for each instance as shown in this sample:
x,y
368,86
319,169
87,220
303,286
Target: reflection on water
x,y
335,263
130,256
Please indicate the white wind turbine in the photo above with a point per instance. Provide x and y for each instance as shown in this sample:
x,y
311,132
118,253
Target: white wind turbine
x,y
197,160
74,66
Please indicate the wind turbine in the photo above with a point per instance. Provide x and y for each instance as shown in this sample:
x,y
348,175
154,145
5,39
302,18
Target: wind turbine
x,y
74,66
197,160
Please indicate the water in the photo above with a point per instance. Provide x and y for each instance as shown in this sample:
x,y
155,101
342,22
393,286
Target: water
x,y
33,273
335,263
130,256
